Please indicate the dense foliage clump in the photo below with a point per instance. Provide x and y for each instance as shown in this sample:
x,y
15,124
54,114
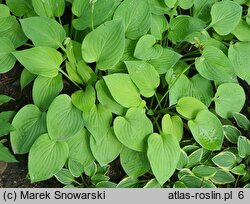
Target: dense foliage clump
x,y
155,83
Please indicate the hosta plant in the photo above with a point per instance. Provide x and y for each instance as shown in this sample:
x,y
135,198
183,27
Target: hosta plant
x,y
155,84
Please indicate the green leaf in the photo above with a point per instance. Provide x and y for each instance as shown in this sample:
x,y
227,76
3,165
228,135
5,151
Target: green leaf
x,y
20,7
65,177
107,150
10,28
222,177
172,126
128,183
128,95
133,129
238,55
243,146
105,184
159,24
7,60
75,168
103,11
145,77
191,181
185,4
182,26
204,172
7,116
45,89
5,154
207,130
4,11
104,45
4,99
239,170
43,31
242,31
64,120
136,17
225,160
214,65
5,128
183,160
79,149
195,158
134,163
46,158
166,61
153,183
105,98
170,3
197,87
163,154
202,9
225,16
49,8
158,7
29,124
97,120
189,107
231,133
147,49
229,98
242,121
26,78
84,100
43,61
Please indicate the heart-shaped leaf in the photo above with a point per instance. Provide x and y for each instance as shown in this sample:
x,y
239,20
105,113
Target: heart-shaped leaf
x,y
43,31
163,154
49,8
166,61
7,60
104,45
172,126
147,49
207,130
84,100
29,124
214,65
159,24
97,120
45,89
133,129
46,158
136,17
238,55
20,7
64,120
225,16
134,163
107,150
189,107
106,99
243,146
79,148
229,98
103,10
182,26
44,61
197,87
128,95
145,77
